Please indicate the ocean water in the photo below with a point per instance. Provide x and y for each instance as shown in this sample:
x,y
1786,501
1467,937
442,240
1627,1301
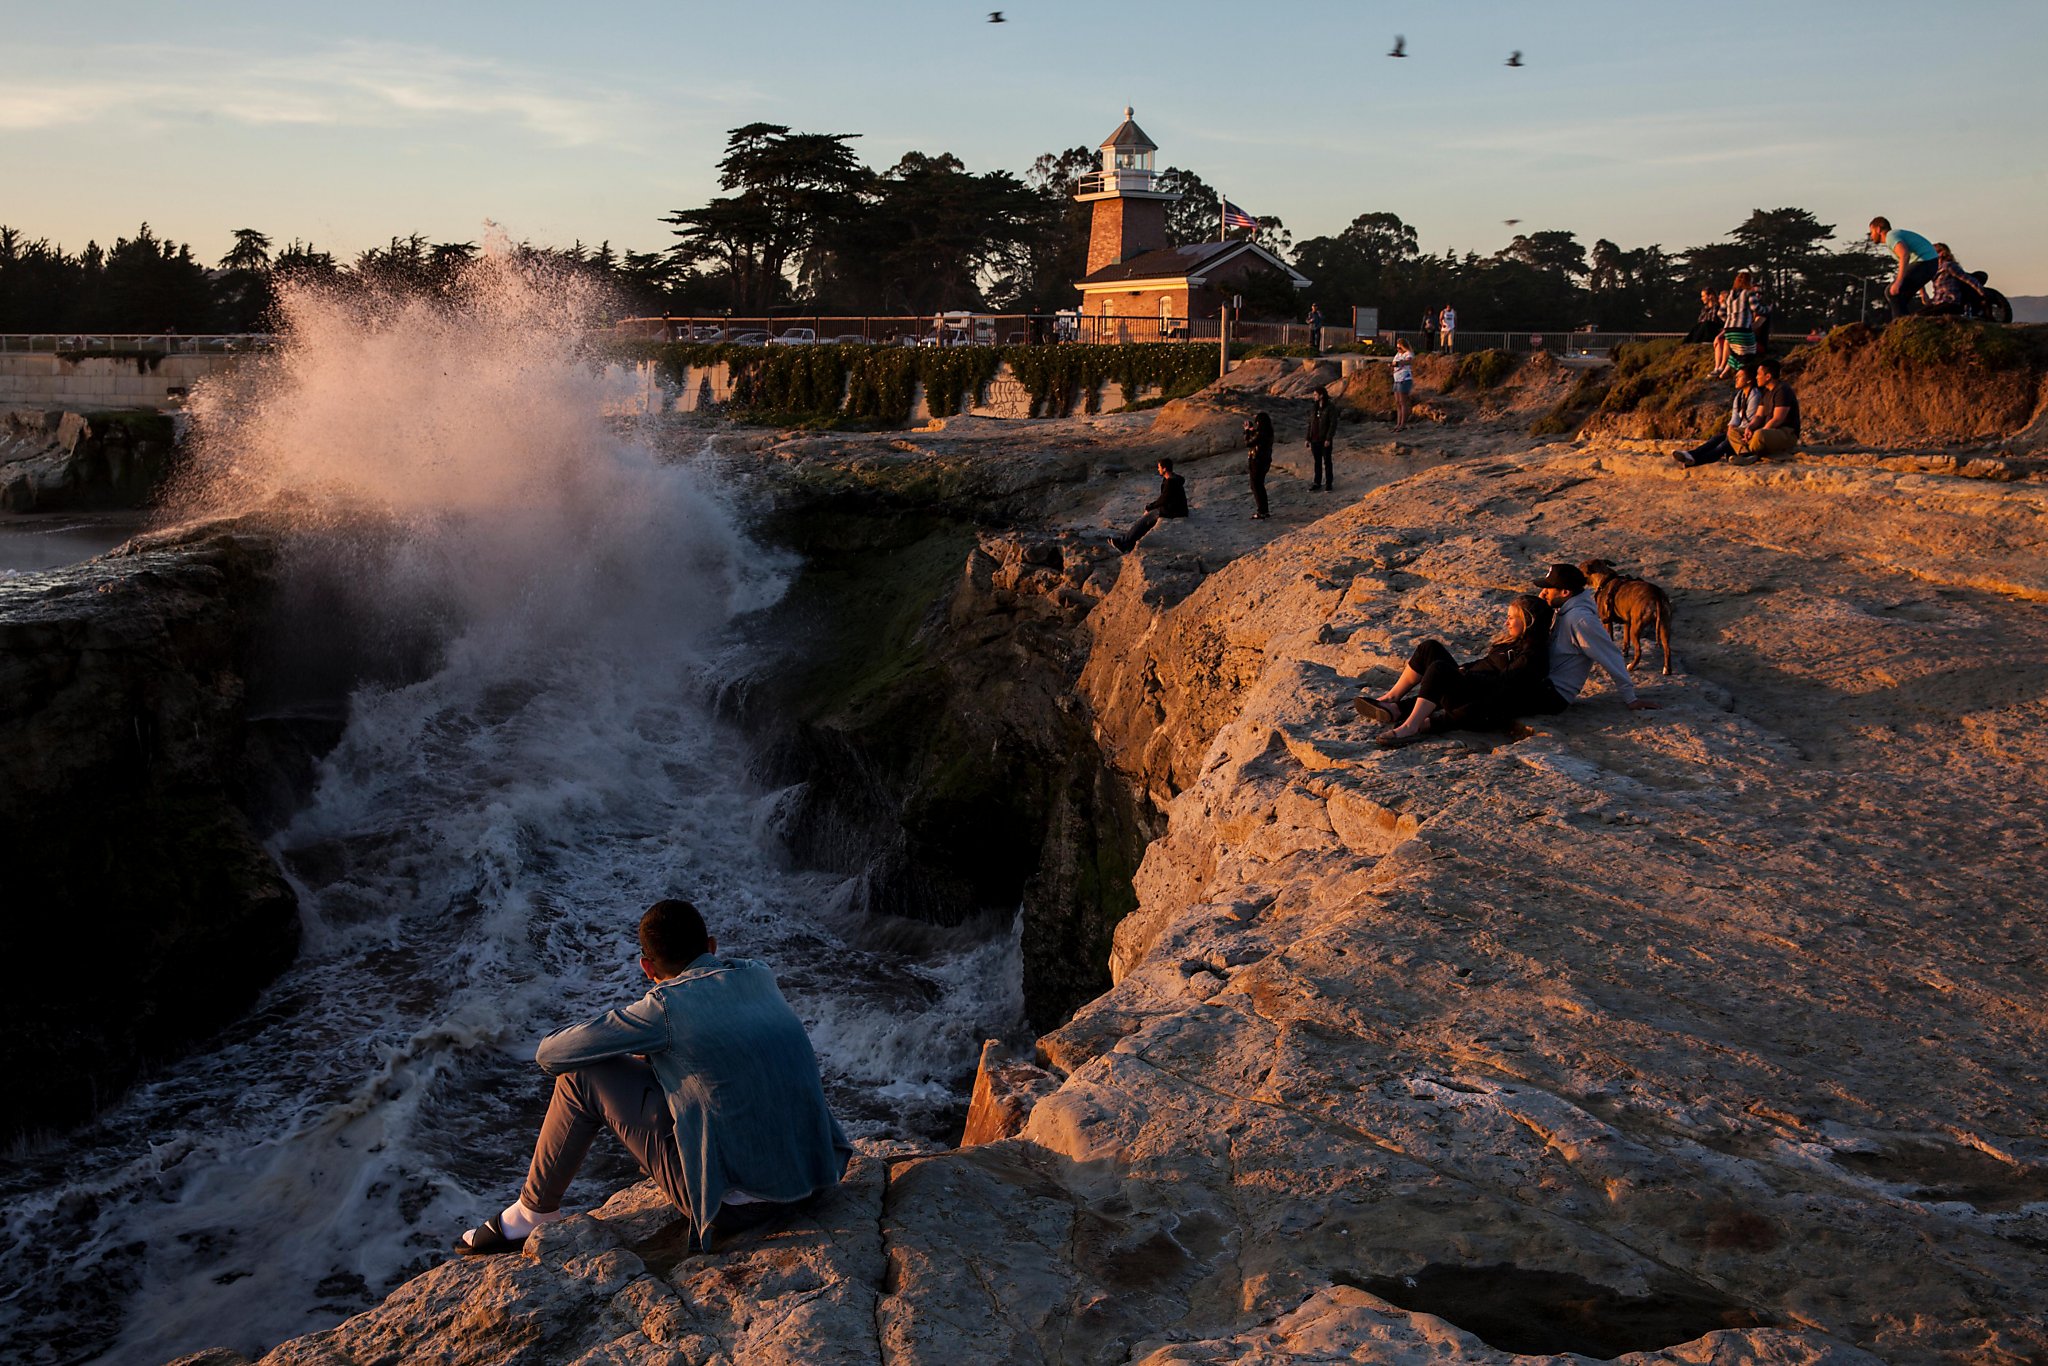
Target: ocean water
x,y
477,849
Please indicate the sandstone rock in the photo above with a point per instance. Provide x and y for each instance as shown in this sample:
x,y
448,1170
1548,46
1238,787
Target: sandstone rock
x,y
1712,1032
619,1286
1005,1089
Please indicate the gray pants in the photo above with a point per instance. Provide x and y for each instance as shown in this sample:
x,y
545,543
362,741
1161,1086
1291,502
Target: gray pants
x,y
620,1094
623,1095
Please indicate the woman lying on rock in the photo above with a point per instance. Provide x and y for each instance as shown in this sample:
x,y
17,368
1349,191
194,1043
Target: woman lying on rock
x,y
1436,693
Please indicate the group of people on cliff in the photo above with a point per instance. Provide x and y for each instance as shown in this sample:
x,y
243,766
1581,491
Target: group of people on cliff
x,y
1763,417
1552,641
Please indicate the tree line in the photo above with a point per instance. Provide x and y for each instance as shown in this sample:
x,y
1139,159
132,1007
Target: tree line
x,y
801,225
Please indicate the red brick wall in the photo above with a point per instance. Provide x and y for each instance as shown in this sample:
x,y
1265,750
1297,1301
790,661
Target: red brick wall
x,y
1121,228
1137,312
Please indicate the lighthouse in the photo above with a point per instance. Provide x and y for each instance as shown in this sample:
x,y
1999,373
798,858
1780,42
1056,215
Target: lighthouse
x,y
1138,286
1129,214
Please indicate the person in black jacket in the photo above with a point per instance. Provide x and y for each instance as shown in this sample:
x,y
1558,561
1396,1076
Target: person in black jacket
x,y
1171,502
1322,433
1435,693
1258,450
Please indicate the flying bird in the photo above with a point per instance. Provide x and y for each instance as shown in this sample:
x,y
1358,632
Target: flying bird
x,y
1511,221
1400,47
1515,57
995,16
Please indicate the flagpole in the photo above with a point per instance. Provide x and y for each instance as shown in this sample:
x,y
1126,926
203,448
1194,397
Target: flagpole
x,y
1222,231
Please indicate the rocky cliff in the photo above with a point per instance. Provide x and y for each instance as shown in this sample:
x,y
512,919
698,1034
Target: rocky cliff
x,y
67,462
1704,1035
141,912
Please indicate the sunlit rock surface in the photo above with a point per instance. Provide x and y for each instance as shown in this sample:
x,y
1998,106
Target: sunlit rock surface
x,y
1705,1035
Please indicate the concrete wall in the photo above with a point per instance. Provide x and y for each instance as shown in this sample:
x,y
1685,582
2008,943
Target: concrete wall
x,y
705,388
51,381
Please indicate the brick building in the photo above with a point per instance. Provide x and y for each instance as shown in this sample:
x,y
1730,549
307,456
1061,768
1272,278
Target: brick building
x,y
1145,289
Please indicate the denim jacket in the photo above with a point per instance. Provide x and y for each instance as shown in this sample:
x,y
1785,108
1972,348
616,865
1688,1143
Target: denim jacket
x,y
741,1079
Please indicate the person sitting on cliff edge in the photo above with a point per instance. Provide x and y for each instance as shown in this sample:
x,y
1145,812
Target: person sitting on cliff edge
x,y
1171,502
1578,641
709,1080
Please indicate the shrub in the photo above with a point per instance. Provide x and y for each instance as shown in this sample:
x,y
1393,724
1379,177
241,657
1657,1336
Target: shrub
x,y
1480,369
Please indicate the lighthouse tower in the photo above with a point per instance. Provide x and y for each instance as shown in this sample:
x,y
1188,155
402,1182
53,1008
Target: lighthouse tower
x,y
1130,208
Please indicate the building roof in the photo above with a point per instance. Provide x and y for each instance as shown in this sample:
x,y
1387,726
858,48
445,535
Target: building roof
x,y
1185,263
1129,134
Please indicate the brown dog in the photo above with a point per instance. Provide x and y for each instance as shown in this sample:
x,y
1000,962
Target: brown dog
x,y
1637,605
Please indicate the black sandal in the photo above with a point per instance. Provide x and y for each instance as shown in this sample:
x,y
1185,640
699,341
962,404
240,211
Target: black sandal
x,y
1378,710
487,1240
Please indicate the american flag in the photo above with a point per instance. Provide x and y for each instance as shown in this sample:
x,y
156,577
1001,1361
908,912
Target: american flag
x,y
1234,217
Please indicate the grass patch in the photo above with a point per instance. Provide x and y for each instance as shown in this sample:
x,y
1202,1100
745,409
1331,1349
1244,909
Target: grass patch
x,y
1935,342
1480,369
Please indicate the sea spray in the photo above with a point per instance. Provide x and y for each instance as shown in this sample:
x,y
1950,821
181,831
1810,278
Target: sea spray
x,y
479,842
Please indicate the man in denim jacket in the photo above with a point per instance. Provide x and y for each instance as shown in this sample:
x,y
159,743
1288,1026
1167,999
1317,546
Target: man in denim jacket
x,y
709,1080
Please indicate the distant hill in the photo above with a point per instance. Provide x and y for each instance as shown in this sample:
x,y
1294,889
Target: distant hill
x,y
2030,308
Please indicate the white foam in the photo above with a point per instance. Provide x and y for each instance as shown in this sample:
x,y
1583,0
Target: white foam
x,y
479,844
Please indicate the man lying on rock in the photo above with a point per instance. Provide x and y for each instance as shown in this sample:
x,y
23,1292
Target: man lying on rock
x,y
709,1080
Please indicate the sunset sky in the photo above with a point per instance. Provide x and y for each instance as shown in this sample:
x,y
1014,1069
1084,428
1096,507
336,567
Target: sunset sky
x,y
1639,122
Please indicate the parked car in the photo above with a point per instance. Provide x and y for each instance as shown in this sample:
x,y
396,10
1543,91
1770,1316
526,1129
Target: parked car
x,y
852,339
795,336
749,339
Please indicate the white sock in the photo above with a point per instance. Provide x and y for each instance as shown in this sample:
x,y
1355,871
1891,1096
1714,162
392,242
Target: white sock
x,y
518,1221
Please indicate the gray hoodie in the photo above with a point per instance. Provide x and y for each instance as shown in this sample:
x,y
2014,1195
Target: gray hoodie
x,y
1577,642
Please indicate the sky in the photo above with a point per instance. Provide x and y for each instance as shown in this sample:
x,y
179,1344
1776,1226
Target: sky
x,y
1650,121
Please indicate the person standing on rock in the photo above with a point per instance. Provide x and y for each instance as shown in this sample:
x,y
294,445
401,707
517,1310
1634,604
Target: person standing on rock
x,y
1428,328
709,1080
1258,450
1578,641
1447,330
1322,435
1404,383
1171,502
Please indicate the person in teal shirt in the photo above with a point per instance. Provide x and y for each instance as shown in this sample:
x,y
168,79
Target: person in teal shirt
x,y
708,1080
1915,255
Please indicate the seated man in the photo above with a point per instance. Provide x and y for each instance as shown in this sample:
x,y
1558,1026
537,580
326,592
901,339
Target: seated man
x,y
1778,432
1578,641
709,1080
1171,502
1743,415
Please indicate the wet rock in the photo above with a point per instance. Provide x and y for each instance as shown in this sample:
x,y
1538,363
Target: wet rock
x,y
62,462
141,910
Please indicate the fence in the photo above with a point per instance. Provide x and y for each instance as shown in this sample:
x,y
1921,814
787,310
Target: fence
x,y
1014,329
132,343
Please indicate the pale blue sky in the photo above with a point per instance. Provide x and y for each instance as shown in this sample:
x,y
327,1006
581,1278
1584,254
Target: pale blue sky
x,y
1647,121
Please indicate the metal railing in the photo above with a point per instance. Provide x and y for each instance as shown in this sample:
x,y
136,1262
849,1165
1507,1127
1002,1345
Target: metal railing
x,y
1012,329
161,343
